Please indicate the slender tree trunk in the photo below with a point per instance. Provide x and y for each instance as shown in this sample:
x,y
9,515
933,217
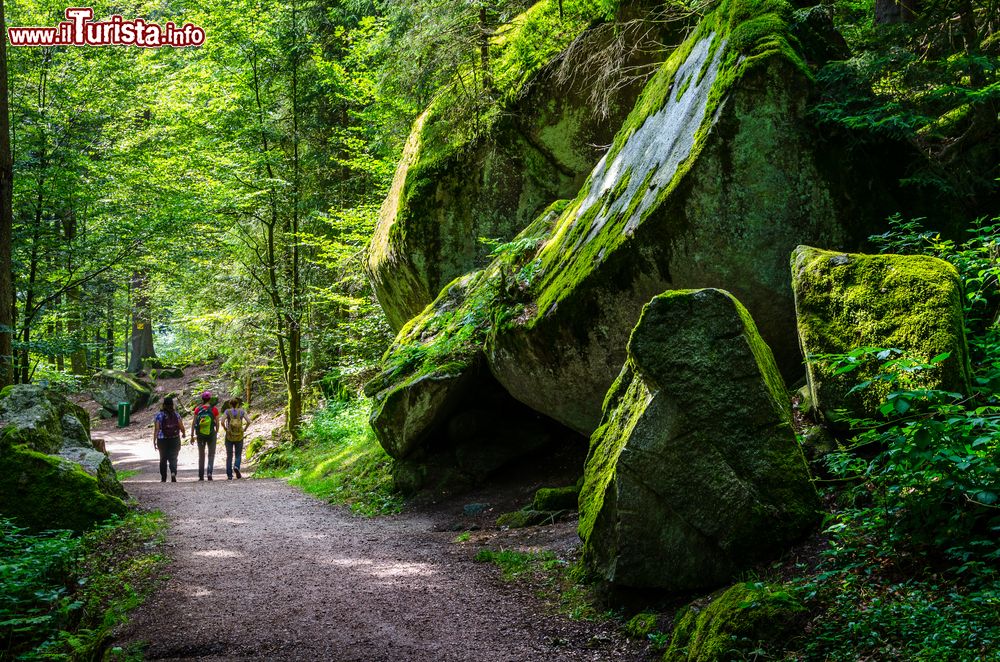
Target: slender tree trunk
x,y
295,318
484,47
142,327
74,325
109,332
6,220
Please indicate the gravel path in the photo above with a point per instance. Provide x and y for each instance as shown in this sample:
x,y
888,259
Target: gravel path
x,y
261,571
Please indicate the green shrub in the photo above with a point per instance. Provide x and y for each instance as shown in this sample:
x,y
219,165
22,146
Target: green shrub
x,y
60,595
338,459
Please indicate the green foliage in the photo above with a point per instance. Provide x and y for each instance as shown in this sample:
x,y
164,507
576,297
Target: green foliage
x,y
61,596
931,82
338,459
911,568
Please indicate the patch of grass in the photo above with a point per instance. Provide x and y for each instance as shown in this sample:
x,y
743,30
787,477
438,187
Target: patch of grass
x,y
462,537
338,460
125,474
561,584
61,596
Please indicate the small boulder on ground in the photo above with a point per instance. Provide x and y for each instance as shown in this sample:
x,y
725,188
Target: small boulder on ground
x,y
737,623
109,387
846,301
51,476
694,474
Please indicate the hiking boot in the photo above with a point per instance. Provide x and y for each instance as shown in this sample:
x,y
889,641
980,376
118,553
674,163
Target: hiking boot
x,y
201,478
210,476
173,478
163,479
229,477
238,474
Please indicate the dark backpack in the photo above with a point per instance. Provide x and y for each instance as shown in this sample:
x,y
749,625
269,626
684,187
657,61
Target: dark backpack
x,y
204,421
170,425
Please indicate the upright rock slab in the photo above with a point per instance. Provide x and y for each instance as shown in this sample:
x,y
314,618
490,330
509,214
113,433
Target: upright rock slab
x,y
846,301
694,473
50,474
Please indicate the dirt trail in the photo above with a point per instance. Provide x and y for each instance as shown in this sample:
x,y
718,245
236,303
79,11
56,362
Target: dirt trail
x,y
261,571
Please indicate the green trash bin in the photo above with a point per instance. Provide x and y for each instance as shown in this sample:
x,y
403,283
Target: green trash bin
x,y
124,413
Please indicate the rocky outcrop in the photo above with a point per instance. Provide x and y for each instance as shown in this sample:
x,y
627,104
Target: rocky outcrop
x,y
847,301
51,476
471,173
109,387
694,473
736,624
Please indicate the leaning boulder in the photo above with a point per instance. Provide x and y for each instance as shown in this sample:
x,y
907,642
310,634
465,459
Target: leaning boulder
x,y
844,301
694,473
712,181
488,172
51,476
109,387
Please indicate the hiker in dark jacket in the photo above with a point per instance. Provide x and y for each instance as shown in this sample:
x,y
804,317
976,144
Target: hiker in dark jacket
x,y
168,429
206,429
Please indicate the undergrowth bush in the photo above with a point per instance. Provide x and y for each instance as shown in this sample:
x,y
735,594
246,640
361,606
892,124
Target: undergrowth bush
x,y
338,459
912,569
61,595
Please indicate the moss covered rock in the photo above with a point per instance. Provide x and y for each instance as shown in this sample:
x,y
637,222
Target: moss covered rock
x,y
735,624
50,474
694,473
713,179
478,173
556,498
109,387
434,379
847,301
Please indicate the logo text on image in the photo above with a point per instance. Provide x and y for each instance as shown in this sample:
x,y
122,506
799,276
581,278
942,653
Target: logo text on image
x,y
79,29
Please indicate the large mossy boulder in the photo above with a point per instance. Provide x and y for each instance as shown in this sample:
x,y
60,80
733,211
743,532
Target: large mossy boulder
x,y
109,387
470,173
750,619
694,474
50,474
434,381
844,301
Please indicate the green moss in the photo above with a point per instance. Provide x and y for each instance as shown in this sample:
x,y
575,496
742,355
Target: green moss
x,y
40,492
747,619
641,625
849,301
556,498
752,32
520,519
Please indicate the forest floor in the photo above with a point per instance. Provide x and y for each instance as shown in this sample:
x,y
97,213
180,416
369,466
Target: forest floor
x,y
260,570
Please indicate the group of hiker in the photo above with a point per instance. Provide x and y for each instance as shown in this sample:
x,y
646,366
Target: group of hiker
x,y
169,427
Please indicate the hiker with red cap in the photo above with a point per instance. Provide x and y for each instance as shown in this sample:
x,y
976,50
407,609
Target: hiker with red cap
x,y
206,430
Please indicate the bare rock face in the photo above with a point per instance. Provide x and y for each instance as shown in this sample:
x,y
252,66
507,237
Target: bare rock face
x,y
51,476
694,473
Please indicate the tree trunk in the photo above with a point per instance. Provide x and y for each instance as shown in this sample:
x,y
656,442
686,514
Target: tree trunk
x,y
74,324
6,220
142,328
109,338
895,11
